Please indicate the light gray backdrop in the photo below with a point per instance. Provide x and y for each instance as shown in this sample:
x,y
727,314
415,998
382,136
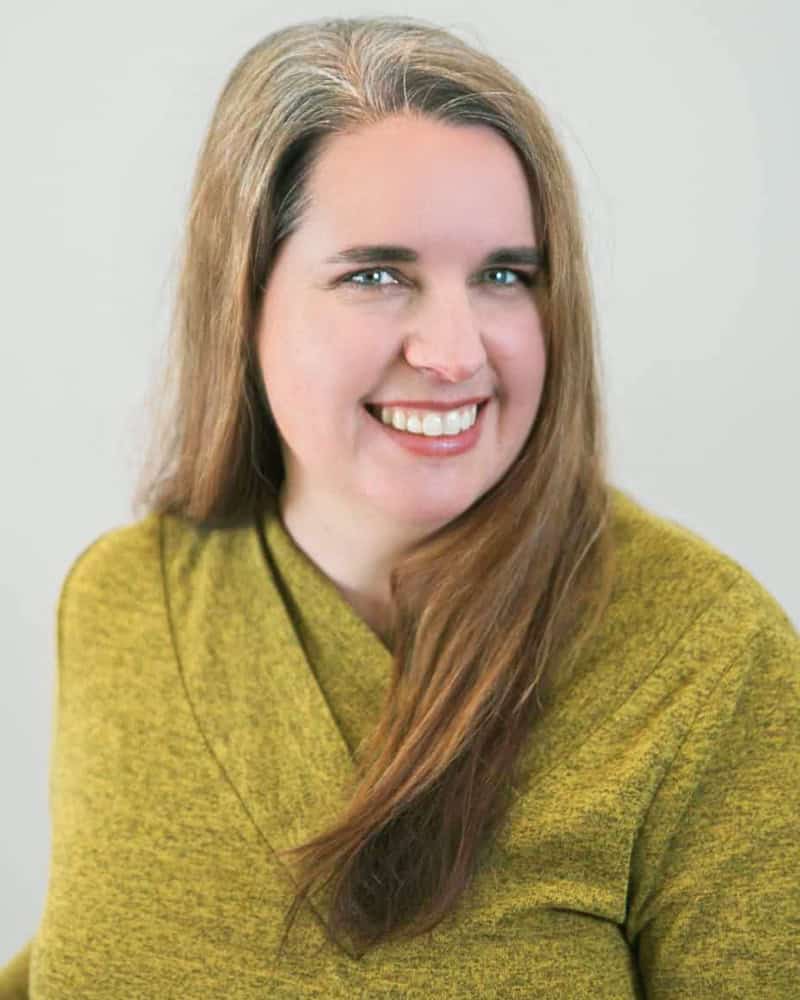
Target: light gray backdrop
x,y
681,121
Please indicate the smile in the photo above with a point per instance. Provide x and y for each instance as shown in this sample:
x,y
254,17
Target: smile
x,y
428,422
439,444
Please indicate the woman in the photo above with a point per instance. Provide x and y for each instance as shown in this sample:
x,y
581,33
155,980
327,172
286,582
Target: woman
x,y
388,692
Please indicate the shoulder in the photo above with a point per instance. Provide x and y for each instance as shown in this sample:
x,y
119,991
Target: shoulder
x,y
116,560
653,543
115,582
669,579
124,557
686,627
110,600
125,571
688,634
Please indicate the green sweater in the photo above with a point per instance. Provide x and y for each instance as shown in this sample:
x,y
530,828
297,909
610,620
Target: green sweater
x,y
208,706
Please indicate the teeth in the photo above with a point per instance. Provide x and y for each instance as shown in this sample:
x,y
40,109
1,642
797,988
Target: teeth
x,y
430,423
451,423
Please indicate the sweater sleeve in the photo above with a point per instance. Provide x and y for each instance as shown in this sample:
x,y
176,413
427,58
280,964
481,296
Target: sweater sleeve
x,y
14,976
714,900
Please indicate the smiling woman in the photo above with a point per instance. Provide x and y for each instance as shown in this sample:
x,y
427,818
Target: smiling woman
x,y
389,692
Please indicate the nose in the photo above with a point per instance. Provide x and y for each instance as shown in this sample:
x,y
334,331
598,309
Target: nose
x,y
448,343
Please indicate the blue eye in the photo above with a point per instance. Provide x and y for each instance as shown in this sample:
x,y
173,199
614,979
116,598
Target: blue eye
x,y
522,277
348,278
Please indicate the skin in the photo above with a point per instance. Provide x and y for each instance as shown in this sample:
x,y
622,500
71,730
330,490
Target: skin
x,y
441,328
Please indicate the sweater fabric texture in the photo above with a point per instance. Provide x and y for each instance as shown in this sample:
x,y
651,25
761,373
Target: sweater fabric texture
x,y
213,687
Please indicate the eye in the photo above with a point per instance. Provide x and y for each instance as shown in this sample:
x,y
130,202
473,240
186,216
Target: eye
x,y
348,278
521,276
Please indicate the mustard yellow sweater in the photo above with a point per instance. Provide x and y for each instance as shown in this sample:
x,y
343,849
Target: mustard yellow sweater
x,y
211,692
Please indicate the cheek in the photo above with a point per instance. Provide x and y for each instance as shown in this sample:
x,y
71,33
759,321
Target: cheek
x,y
290,370
312,395
519,358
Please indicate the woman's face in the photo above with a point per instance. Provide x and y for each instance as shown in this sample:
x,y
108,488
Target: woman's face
x,y
441,328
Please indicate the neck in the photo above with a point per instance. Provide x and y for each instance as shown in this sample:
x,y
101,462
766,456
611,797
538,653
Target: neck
x,y
355,553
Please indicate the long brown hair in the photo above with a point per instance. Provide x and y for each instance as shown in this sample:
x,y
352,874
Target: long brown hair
x,y
492,608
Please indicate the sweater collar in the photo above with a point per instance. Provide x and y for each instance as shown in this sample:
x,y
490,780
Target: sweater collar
x,y
246,607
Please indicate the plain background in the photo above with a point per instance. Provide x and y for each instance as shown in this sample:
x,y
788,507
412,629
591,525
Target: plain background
x,y
681,123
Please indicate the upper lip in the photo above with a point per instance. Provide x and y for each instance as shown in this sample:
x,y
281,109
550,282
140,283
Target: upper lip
x,y
429,404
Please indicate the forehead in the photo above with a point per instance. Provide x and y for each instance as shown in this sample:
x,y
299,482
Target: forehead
x,y
420,182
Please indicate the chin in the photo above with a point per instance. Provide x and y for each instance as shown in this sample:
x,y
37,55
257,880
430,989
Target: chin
x,y
424,513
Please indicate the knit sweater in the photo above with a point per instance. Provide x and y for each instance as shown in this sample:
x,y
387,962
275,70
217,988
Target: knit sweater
x,y
213,686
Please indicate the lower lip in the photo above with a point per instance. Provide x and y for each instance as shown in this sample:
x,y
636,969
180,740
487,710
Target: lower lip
x,y
435,447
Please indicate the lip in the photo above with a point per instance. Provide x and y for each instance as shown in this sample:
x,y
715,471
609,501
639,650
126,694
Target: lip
x,y
428,404
432,447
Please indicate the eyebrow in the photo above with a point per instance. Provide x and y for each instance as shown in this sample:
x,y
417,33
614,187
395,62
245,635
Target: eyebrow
x,y
380,253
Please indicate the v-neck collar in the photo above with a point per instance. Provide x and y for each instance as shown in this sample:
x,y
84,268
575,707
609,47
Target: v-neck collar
x,y
253,691
239,600
351,662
